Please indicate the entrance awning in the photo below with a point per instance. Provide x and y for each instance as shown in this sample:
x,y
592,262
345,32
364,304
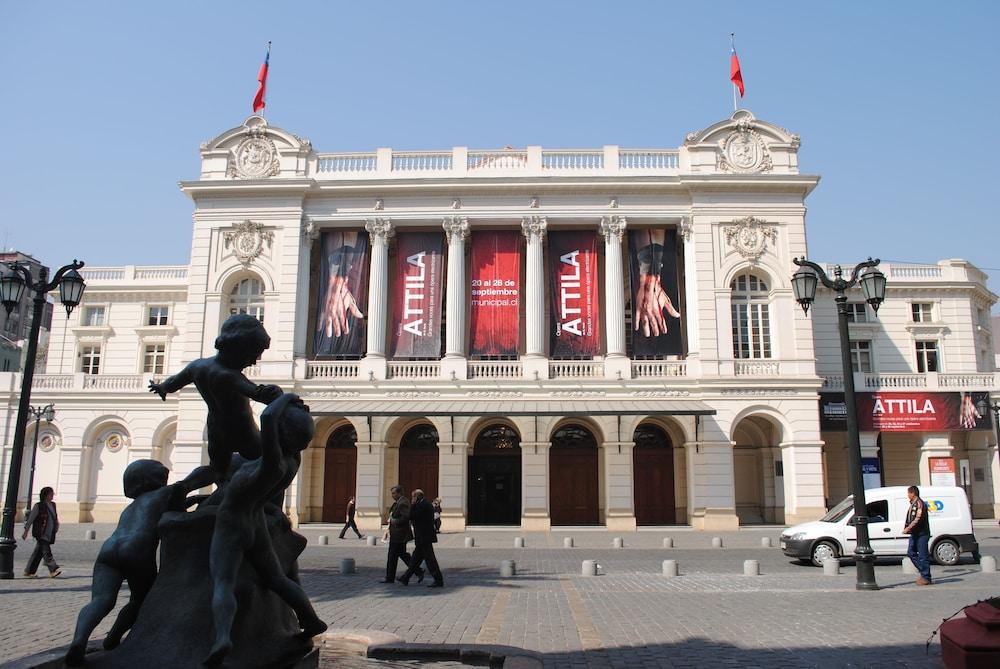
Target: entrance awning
x,y
519,407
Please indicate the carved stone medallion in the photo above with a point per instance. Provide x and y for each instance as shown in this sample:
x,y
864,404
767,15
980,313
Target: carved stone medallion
x,y
743,151
255,157
749,237
114,442
47,442
247,241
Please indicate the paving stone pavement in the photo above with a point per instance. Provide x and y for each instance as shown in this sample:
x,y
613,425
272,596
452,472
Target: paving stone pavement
x,y
710,616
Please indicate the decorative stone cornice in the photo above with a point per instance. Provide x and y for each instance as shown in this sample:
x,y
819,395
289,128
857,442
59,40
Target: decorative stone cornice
x,y
379,229
749,237
456,227
613,227
534,227
247,240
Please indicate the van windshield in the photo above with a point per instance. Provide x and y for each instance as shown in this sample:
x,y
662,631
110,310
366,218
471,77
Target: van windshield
x,y
837,513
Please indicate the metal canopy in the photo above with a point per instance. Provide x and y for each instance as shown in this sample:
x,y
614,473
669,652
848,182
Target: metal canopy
x,y
517,407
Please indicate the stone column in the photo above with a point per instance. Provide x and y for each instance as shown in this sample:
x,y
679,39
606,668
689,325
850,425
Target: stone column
x,y
619,500
453,462
934,445
370,485
380,232
802,466
535,486
690,316
616,363
711,486
980,492
535,364
456,230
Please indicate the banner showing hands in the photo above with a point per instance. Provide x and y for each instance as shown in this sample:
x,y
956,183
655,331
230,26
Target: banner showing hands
x,y
342,299
653,264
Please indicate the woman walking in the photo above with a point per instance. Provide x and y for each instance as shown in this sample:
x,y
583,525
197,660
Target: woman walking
x,y
44,523
437,514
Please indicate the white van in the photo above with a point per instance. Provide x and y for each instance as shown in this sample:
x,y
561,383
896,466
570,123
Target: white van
x,y
834,534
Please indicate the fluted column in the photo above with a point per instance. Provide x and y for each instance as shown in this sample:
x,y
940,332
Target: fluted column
x,y
456,230
533,228
613,229
373,366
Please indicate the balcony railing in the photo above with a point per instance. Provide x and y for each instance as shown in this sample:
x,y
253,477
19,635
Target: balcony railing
x,y
495,369
52,382
642,369
756,368
872,381
112,382
332,369
413,369
575,369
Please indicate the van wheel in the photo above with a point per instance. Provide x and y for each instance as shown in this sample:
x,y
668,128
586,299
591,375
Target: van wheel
x,y
946,552
823,550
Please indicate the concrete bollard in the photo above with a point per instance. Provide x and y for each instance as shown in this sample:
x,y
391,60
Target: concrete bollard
x,y
751,568
567,542
618,542
347,566
589,568
519,542
668,542
508,568
988,564
831,566
670,568
909,567
716,542
371,541
323,540
91,535
765,542
470,542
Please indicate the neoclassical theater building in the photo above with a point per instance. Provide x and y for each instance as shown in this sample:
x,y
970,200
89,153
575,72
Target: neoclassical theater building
x,y
538,337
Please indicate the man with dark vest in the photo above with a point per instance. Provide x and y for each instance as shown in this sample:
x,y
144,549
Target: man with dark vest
x,y
919,528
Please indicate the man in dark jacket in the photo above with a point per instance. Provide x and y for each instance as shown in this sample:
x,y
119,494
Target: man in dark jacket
x,y
919,528
424,538
43,521
399,533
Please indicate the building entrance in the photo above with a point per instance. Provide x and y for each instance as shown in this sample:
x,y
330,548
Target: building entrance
x,y
495,478
339,472
418,460
574,497
653,473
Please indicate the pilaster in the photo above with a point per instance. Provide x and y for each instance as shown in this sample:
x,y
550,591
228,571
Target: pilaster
x,y
711,487
618,493
370,485
453,464
802,465
933,445
535,486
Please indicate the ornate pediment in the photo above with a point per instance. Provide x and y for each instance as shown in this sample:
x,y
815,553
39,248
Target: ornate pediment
x,y
255,157
247,240
749,237
743,150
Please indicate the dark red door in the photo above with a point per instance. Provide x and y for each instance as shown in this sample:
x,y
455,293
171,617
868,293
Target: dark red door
x,y
653,473
574,495
418,461
339,474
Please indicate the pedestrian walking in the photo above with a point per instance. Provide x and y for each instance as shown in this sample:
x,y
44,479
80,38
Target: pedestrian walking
x,y
399,534
919,528
424,538
43,521
437,515
351,508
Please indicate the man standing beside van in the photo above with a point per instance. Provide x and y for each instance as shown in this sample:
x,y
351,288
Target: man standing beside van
x,y
919,529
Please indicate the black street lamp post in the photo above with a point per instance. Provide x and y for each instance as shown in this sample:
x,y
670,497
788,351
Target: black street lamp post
x,y
47,412
12,286
804,283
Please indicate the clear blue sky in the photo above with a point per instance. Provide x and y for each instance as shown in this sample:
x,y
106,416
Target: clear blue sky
x,y
105,104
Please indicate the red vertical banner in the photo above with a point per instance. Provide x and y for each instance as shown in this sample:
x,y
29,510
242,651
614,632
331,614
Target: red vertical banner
x,y
496,290
573,286
418,289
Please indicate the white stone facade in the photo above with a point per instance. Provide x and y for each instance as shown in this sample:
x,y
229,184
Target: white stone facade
x,y
730,429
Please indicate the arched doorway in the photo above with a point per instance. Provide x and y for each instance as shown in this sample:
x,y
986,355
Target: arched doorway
x,y
339,473
418,460
653,475
574,496
757,471
495,477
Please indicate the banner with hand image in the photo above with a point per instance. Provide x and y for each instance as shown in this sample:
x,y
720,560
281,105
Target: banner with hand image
x,y
342,298
656,317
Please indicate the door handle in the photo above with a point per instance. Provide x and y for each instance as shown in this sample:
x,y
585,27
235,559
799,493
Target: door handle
x,y
887,529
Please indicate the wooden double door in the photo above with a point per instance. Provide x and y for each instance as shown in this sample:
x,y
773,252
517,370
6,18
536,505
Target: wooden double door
x,y
418,461
574,493
339,474
653,477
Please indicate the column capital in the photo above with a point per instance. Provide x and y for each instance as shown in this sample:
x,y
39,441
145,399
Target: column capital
x,y
310,231
685,228
456,227
533,228
380,229
613,227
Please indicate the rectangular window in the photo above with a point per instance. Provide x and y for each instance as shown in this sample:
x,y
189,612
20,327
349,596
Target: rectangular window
x,y
751,330
922,312
93,316
159,315
90,359
861,356
155,359
927,356
856,312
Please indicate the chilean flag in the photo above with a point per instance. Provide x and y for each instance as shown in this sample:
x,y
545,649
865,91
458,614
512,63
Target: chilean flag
x,y
258,100
735,75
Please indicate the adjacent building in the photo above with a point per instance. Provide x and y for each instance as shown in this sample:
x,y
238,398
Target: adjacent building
x,y
538,337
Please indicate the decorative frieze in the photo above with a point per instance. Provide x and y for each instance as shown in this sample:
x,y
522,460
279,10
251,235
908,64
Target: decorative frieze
x,y
749,237
255,157
743,150
247,240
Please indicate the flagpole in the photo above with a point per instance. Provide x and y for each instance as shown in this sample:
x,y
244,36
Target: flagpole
x,y
732,43
263,111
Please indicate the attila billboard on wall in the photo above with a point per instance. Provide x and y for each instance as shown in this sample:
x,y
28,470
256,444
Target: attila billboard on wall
x,y
495,289
908,412
656,318
418,289
342,298
573,286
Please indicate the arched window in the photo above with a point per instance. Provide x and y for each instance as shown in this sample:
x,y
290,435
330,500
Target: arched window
x,y
247,297
751,317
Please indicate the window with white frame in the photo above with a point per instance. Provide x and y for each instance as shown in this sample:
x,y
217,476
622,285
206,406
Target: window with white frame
x,y
856,312
247,297
158,315
922,312
93,316
154,359
861,356
751,318
90,359
927,356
